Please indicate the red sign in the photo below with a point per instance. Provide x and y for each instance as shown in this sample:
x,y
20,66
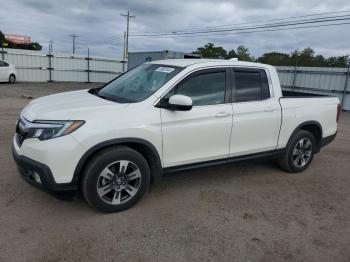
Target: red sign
x,y
17,39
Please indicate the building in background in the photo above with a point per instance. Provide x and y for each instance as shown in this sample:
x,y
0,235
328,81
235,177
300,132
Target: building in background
x,y
138,58
17,39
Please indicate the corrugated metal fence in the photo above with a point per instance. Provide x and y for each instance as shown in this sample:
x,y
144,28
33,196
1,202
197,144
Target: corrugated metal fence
x,y
37,66
318,80
41,67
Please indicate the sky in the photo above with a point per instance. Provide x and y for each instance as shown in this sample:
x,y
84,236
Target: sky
x,y
96,21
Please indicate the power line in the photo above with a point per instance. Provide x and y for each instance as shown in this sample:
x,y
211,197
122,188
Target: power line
x,y
170,35
301,22
107,41
285,24
254,22
246,32
276,25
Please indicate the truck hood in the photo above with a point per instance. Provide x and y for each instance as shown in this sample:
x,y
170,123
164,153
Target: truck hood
x,y
75,105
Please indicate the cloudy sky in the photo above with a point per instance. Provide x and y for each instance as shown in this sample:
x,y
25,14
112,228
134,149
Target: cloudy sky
x,y
98,21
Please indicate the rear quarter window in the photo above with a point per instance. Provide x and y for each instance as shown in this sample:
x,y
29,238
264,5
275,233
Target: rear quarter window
x,y
250,85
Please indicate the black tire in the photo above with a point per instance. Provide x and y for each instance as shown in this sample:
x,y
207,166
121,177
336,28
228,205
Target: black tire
x,y
107,158
12,79
287,161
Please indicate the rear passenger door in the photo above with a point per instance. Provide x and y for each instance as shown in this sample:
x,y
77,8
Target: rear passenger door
x,y
256,114
203,133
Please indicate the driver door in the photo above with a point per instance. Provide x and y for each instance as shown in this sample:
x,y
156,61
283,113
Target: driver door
x,y
202,133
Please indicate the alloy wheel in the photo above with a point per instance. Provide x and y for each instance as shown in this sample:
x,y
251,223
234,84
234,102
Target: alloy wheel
x,y
119,182
302,152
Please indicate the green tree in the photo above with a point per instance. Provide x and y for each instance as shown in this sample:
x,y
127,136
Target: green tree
x,y
243,54
294,56
306,57
31,46
211,51
2,38
340,61
320,61
275,58
231,54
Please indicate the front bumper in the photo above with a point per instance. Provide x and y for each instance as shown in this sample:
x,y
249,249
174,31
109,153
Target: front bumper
x,y
28,167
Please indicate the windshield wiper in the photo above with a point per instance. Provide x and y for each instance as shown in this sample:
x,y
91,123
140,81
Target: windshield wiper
x,y
117,99
94,91
106,97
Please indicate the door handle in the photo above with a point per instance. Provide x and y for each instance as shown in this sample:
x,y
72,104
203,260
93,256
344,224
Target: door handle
x,y
222,114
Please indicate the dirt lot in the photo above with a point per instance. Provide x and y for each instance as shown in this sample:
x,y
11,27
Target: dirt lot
x,y
241,212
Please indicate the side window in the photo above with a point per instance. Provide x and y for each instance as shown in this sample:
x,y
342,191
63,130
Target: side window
x,y
251,85
2,64
204,89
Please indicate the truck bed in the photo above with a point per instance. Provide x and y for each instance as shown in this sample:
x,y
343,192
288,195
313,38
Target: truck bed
x,y
299,107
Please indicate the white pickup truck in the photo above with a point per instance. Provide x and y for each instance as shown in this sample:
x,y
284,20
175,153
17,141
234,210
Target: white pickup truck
x,y
166,116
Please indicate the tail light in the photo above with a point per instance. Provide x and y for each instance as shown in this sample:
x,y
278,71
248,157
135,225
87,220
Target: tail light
x,y
338,112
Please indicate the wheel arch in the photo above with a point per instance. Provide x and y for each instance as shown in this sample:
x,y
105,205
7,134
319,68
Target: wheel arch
x,y
314,128
145,148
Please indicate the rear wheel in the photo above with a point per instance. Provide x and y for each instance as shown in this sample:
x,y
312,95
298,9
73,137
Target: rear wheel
x,y
12,79
115,179
299,152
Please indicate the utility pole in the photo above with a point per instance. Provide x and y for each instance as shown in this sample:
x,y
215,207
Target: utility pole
x,y
345,85
88,65
73,37
124,54
50,60
50,47
126,48
2,47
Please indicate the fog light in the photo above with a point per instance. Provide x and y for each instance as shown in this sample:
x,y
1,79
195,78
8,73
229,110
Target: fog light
x,y
36,177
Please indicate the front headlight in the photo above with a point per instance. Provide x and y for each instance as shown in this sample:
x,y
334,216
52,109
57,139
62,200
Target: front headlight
x,y
44,130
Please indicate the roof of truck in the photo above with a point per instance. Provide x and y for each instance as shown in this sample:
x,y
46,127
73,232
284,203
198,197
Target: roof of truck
x,y
207,62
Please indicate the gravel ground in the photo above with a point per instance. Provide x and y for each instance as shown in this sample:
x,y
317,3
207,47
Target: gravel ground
x,y
249,211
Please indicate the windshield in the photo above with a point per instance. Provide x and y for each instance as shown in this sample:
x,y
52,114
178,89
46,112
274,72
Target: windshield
x,y
139,83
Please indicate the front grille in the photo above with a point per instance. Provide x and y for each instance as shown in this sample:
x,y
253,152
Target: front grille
x,y
20,134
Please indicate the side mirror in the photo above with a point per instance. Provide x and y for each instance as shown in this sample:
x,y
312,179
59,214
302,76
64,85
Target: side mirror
x,y
179,103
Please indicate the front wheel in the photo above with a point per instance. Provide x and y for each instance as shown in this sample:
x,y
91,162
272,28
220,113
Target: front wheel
x,y
299,152
115,179
12,79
